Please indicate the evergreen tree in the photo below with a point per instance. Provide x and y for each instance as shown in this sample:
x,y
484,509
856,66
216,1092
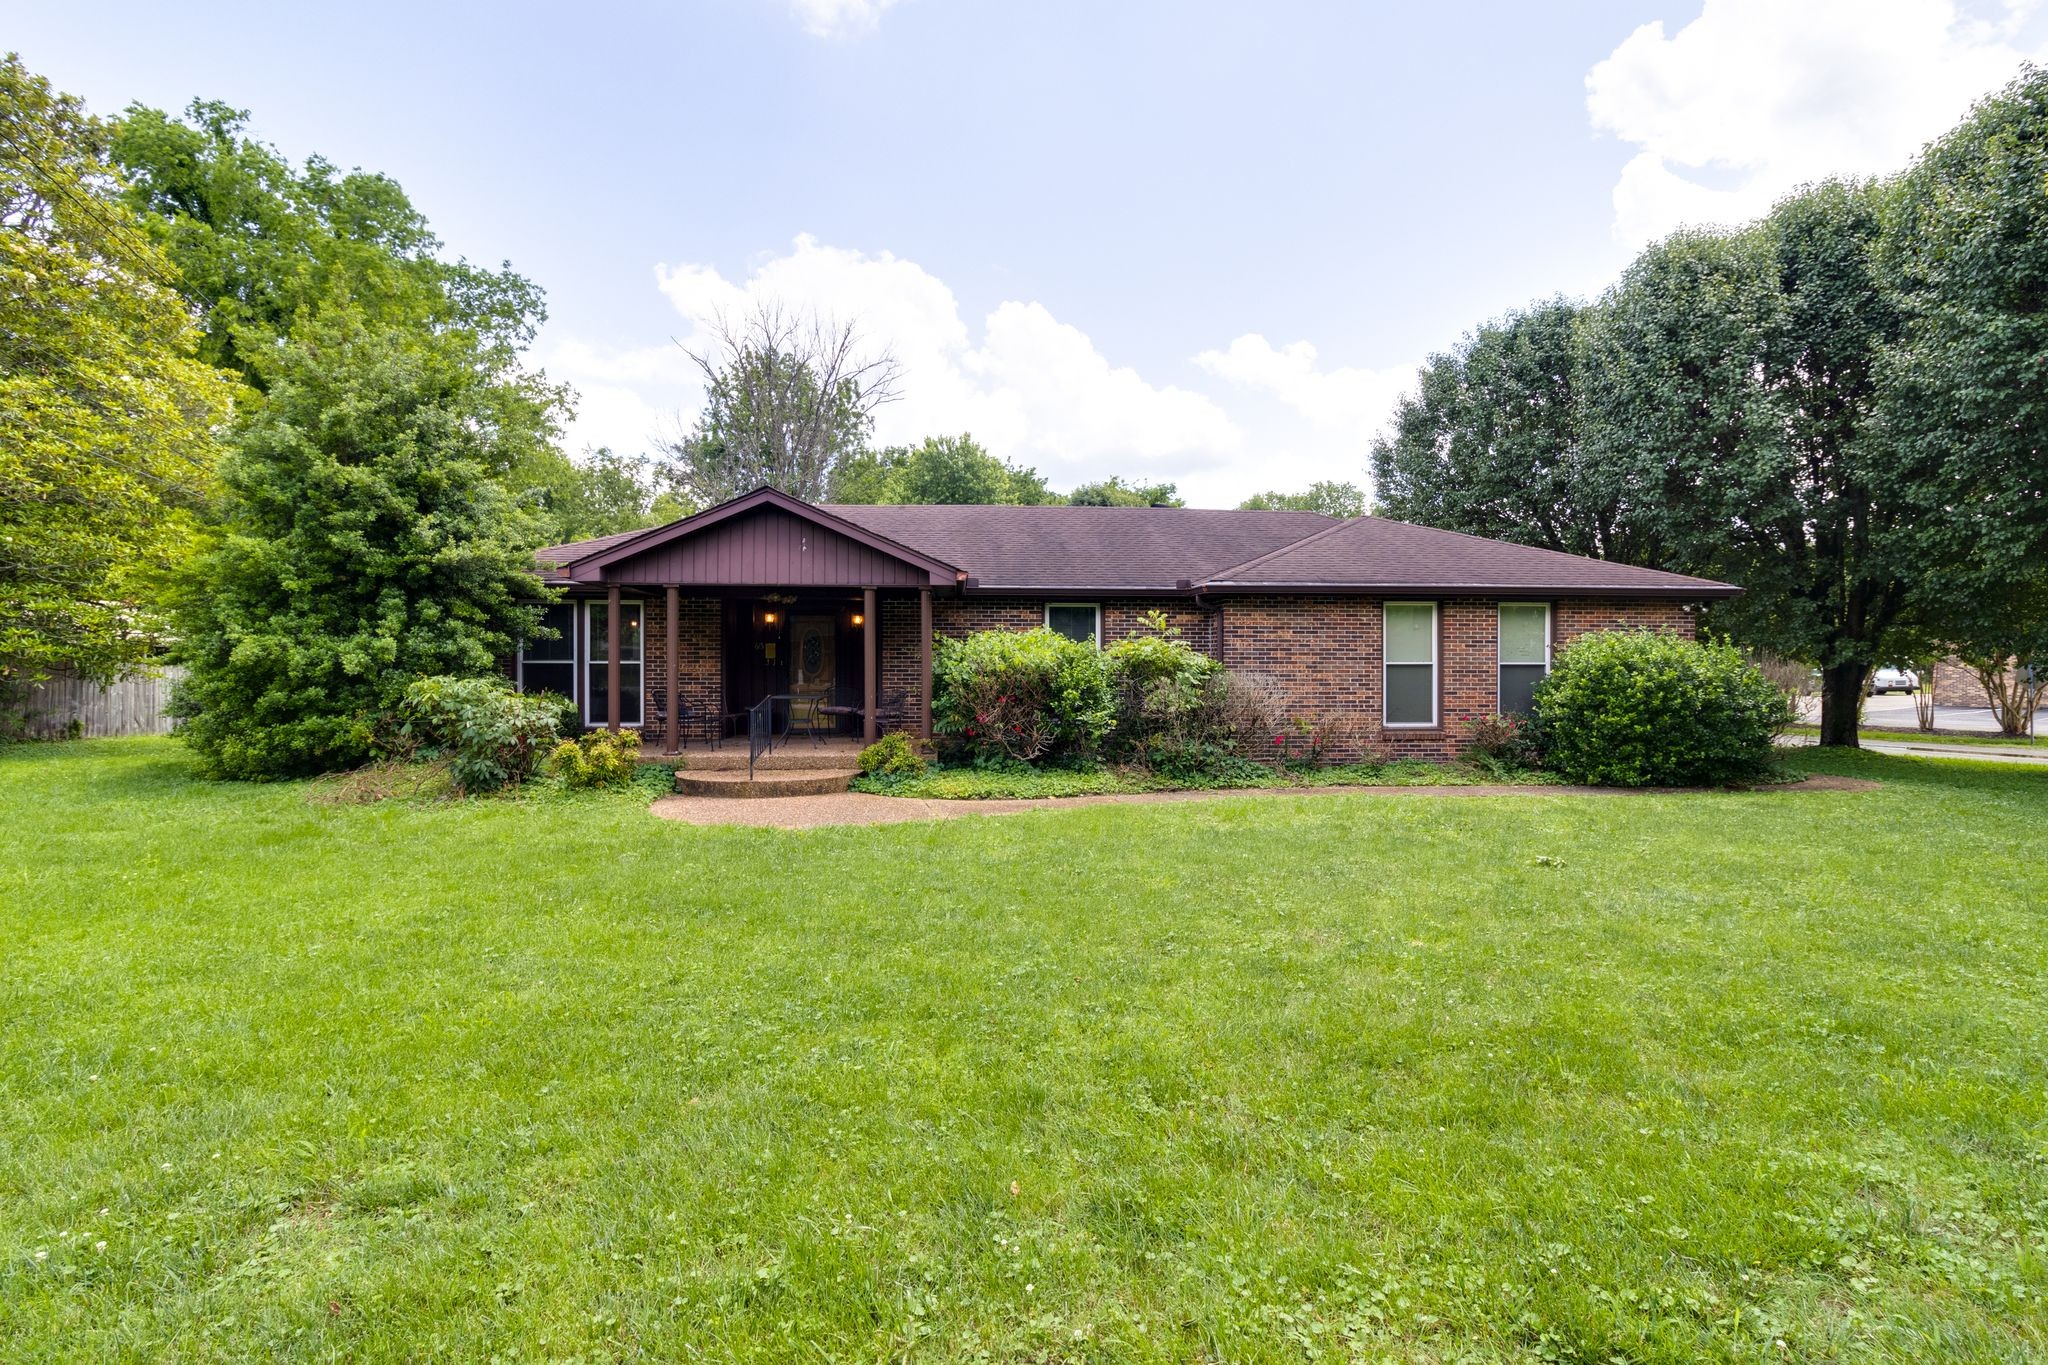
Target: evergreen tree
x,y
365,544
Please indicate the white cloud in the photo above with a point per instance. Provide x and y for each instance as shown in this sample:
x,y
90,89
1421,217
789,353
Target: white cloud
x,y
1755,97
1030,387
1356,402
839,18
624,398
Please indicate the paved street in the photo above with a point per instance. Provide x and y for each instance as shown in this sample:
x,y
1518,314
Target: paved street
x,y
1895,712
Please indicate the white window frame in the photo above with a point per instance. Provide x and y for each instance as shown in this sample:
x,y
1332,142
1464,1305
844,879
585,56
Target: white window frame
x,y
1436,681
1549,648
575,659
596,604
1095,607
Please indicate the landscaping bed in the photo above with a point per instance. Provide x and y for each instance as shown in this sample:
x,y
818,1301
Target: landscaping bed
x,y
1020,782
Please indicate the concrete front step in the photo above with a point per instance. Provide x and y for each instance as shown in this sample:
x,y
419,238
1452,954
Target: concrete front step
x,y
800,756
735,784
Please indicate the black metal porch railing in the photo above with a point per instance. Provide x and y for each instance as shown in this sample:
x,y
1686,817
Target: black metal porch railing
x,y
760,731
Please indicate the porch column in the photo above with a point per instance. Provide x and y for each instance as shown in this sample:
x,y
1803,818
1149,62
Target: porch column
x,y
674,713
870,630
611,659
924,661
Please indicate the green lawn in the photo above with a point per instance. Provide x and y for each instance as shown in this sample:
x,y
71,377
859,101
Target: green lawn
x,y
1758,1076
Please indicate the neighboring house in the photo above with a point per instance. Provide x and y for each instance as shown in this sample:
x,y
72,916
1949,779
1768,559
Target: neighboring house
x,y
1406,633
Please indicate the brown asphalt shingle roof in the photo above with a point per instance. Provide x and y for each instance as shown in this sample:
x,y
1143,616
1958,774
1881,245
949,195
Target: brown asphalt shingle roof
x,y
1075,548
1053,550
1373,552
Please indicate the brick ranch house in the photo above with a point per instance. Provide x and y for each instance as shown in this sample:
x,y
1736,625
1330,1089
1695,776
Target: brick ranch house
x,y
1405,632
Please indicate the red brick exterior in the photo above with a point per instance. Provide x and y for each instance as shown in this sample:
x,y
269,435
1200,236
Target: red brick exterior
x,y
1956,684
1319,654
699,644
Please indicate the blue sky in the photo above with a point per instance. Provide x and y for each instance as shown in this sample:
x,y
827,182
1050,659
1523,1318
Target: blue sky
x,y
1207,242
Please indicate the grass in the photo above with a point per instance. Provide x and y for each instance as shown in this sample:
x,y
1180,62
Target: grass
x,y
1023,782
1730,1076
1868,734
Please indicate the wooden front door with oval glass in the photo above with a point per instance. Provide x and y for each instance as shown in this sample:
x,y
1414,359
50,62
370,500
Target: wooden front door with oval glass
x,y
813,666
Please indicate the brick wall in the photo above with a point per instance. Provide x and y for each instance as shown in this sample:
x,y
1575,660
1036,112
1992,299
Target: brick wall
x,y
1320,654
701,675
1321,657
1957,685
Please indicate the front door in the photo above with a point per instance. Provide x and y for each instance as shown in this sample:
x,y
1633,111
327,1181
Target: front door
x,y
813,661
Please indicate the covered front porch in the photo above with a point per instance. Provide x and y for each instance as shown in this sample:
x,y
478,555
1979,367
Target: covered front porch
x,y
681,630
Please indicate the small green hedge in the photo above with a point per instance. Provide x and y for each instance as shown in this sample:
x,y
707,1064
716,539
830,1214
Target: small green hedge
x,y
1644,709
492,736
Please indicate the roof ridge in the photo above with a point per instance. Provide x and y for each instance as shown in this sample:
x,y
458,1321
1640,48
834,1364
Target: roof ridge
x,y
1218,576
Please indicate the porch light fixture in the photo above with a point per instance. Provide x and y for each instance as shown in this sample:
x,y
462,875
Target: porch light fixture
x,y
768,617
859,619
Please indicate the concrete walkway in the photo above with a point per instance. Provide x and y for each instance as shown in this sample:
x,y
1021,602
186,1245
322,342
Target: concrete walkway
x,y
862,808
1989,753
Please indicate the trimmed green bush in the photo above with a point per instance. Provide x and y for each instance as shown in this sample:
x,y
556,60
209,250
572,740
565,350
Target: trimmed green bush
x,y
1644,709
1021,695
600,759
493,737
892,754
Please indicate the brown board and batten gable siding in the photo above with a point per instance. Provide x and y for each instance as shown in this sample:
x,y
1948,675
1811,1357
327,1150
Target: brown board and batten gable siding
x,y
766,548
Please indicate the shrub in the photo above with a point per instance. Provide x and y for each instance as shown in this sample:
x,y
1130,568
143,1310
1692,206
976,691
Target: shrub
x,y
600,759
1173,709
1304,742
892,754
492,736
1502,741
1024,695
1639,709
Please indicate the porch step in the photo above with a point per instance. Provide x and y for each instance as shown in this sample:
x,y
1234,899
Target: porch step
x,y
735,784
795,756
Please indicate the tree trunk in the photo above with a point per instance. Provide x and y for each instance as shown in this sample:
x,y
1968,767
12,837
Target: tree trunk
x,y
1841,703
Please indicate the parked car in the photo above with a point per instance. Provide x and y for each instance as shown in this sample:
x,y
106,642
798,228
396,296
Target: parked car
x,y
1893,680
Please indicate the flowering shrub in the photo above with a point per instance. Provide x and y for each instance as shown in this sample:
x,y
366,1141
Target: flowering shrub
x,y
1021,695
1641,709
1505,740
491,735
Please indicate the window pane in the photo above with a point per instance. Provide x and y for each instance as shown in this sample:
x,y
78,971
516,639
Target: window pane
x,y
598,707
1411,694
561,619
1518,687
558,677
1411,633
1076,623
1523,628
629,631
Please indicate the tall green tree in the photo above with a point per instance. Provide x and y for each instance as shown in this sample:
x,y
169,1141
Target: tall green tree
x,y
260,243
107,415
1492,443
1966,391
1331,498
1738,374
940,469
1115,491
789,398
603,493
366,543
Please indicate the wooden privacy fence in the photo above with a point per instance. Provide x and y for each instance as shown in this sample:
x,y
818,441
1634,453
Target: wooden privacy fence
x,y
131,706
